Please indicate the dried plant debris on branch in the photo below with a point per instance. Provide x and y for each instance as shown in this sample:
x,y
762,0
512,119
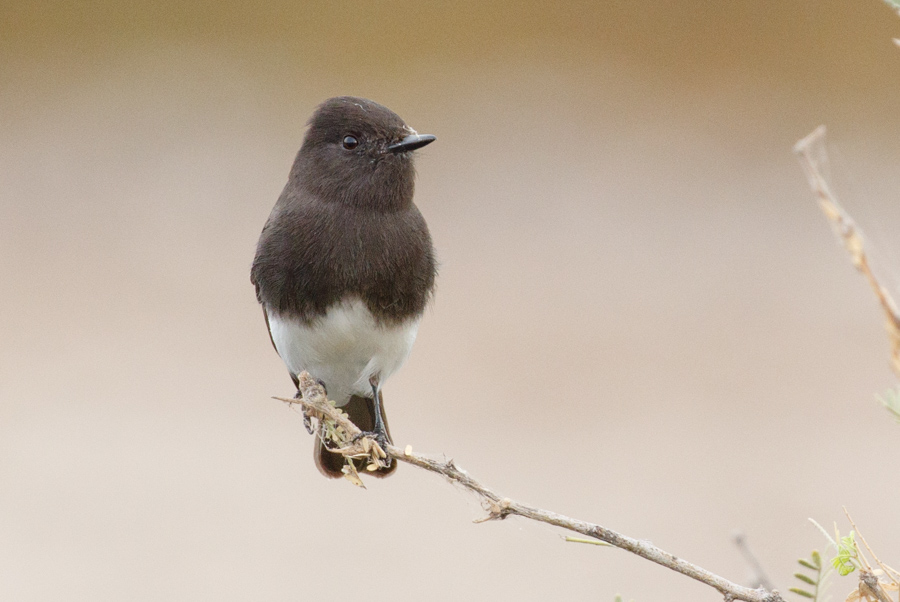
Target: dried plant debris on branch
x,y
813,158
877,581
337,432
345,438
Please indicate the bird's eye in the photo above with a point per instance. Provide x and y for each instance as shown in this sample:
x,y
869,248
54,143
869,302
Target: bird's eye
x,y
350,142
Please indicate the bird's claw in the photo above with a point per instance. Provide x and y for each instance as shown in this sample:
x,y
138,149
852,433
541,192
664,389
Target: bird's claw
x,y
307,422
380,437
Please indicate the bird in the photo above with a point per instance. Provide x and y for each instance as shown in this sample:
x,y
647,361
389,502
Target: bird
x,y
345,265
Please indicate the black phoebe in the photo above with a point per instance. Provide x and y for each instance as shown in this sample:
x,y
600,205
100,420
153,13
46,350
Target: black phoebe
x,y
344,266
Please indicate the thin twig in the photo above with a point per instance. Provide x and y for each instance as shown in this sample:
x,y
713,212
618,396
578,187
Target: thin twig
x,y
740,540
809,149
316,404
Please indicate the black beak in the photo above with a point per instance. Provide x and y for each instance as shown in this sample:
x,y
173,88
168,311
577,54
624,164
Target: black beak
x,y
411,143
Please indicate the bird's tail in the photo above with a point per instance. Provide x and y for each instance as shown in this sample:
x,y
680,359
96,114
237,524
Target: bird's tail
x,y
361,411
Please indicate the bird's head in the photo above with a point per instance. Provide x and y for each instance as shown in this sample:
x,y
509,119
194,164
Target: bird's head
x,y
359,153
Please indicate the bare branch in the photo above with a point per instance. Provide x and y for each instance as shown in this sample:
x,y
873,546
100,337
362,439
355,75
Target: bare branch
x,y
811,149
315,404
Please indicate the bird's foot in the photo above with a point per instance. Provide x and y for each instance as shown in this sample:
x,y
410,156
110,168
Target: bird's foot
x,y
380,437
307,421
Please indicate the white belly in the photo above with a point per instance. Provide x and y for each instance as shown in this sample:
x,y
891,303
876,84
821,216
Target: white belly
x,y
343,348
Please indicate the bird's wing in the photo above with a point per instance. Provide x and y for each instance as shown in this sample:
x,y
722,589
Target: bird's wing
x,y
263,305
269,328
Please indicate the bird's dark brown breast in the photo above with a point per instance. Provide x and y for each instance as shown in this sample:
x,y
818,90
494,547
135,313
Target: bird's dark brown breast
x,y
312,255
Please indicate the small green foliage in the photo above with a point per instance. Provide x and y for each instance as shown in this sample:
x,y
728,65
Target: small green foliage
x,y
893,3
805,579
891,399
816,580
808,564
817,559
847,559
593,542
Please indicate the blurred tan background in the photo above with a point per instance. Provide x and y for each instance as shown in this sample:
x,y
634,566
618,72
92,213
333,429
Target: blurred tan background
x,y
642,319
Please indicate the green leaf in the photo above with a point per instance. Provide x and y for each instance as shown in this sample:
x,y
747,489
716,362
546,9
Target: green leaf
x,y
808,564
846,560
593,542
801,592
848,541
843,565
817,559
804,578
